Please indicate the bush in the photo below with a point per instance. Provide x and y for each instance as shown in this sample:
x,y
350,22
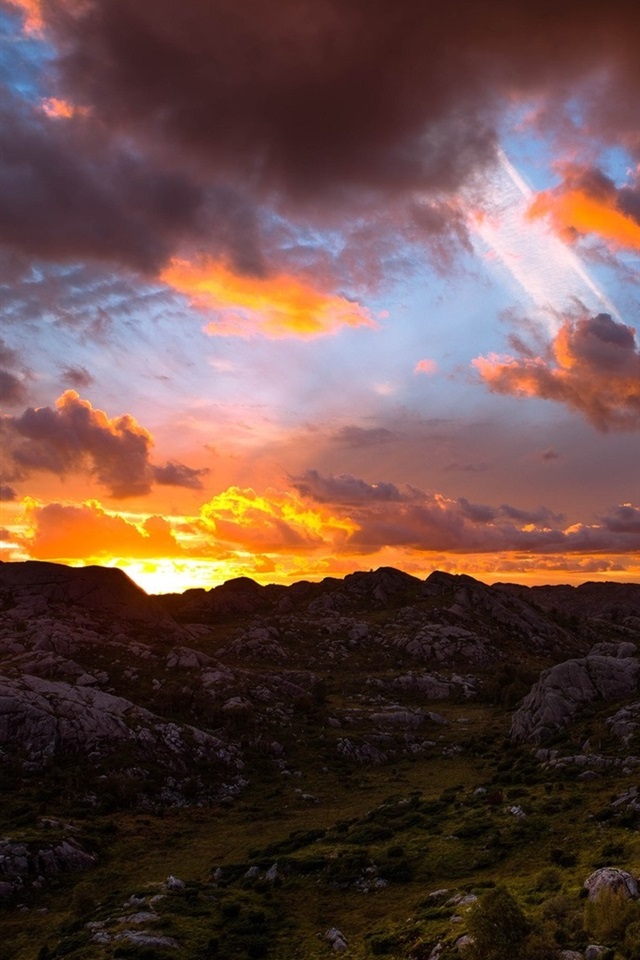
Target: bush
x,y
610,914
381,944
498,926
562,858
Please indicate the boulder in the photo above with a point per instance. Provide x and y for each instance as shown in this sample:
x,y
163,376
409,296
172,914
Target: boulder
x,y
611,878
174,884
593,951
336,939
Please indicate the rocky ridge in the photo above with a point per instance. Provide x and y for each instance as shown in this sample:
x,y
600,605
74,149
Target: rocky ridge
x,y
92,666
118,704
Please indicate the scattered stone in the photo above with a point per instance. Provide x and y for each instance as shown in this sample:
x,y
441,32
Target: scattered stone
x,y
174,884
464,943
337,940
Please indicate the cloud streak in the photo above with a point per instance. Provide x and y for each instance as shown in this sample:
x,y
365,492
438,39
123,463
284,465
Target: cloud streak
x,y
273,306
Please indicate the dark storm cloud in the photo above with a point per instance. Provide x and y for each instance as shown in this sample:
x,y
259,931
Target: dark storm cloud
x,y
311,97
183,117
624,518
69,192
7,492
430,521
477,512
61,200
540,516
12,388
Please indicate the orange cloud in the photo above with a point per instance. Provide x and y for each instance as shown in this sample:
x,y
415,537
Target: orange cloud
x,y
329,526
59,531
32,10
597,371
587,202
61,109
274,522
276,306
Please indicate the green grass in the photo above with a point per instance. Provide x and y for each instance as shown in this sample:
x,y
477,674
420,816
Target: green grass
x,y
418,824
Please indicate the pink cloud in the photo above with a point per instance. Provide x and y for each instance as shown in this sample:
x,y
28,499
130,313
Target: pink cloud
x,y
426,366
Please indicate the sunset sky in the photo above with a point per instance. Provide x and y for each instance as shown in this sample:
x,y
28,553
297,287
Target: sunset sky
x,y
293,288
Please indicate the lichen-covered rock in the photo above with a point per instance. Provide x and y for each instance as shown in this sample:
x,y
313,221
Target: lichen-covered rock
x,y
566,688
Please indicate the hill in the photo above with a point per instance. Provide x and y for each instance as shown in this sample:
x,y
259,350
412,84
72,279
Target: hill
x,y
355,766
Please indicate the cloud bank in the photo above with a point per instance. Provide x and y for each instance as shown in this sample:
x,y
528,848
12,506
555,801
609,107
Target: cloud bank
x,y
75,436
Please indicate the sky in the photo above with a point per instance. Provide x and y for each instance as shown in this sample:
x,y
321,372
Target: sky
x,y
297,288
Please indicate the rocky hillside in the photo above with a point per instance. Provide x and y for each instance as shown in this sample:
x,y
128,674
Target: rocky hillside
x,y
366,710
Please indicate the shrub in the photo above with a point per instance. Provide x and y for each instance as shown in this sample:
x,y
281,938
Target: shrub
x,y
610,914
548,879
381,944
498,926
562,858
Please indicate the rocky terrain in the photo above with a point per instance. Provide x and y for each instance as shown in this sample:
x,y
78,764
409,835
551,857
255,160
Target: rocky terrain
x,y
286,771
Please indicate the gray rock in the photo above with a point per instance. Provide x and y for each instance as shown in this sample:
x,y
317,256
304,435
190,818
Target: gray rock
x,y
40,718
565,689
143,939
174,884
593,951
611,878
336,939
624,723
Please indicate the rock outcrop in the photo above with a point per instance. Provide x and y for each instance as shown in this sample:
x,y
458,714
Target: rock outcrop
x,y
40,719
100,589
565,689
